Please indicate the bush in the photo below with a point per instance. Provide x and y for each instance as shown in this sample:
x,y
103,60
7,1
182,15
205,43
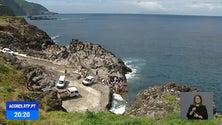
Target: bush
x,y
3,69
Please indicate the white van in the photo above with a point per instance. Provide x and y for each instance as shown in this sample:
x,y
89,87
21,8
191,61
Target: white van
x,y
68,93
88,80
61,82
73,91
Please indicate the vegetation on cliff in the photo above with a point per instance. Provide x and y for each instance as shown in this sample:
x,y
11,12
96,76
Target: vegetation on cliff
x,y
106,118
7,21
22,7
13,86
6,11
12,83
19,36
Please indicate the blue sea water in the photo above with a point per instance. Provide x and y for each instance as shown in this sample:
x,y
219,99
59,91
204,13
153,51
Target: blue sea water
x,y
159,48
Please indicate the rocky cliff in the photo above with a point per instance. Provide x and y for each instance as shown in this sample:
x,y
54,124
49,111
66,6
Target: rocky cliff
x,y
156,102
89,58
19,36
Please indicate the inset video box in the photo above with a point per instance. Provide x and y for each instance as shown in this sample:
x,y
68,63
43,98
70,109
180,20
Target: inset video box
x,y
22,110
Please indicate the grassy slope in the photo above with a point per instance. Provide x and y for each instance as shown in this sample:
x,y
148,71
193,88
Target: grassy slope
x,y
105,118
12,83
8,20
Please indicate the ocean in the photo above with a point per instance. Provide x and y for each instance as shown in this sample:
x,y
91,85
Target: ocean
x,y
158,48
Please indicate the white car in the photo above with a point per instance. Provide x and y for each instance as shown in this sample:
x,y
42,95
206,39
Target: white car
x,y
88,80
61,82
73,91
49,89
68,93
7,50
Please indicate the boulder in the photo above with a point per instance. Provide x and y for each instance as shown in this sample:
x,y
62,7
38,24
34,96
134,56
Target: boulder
x,y
38,77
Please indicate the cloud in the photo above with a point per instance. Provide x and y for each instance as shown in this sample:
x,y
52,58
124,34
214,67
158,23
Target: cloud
x,y
188,7
157,6
210,5
203,5
150,4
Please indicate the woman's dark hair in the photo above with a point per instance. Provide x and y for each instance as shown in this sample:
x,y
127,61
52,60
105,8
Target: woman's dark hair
x,y
195,97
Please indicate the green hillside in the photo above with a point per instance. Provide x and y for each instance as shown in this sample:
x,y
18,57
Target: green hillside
x,y
22,7
106,118
5,10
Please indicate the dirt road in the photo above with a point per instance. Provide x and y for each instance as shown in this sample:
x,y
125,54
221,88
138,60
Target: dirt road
x,y
93,98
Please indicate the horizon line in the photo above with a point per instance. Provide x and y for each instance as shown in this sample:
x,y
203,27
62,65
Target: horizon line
x,y
146,14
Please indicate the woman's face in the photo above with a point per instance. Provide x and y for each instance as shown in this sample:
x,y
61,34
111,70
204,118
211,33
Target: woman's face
x,y
197,100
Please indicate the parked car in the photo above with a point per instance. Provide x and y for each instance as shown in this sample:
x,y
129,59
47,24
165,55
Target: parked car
x,y
88,80
61,82
7,50
68,93
49,89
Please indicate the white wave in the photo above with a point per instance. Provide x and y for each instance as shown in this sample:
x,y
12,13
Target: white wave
x,y
55,37
131,75
64,19
135,64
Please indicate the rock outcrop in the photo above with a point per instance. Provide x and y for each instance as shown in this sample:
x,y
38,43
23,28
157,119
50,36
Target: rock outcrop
x,y
156,102
36,78
89,58
19,36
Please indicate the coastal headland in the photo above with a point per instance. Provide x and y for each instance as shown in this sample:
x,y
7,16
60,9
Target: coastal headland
x,y
34,47
40,61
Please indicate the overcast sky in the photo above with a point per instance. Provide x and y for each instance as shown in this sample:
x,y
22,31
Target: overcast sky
x,y
181,7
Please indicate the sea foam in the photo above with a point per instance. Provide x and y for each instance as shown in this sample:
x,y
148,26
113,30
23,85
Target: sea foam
x,y
135,64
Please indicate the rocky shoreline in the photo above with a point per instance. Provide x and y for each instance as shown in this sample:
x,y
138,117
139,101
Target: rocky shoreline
x,y
157,102
81,59
28,39
52,60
